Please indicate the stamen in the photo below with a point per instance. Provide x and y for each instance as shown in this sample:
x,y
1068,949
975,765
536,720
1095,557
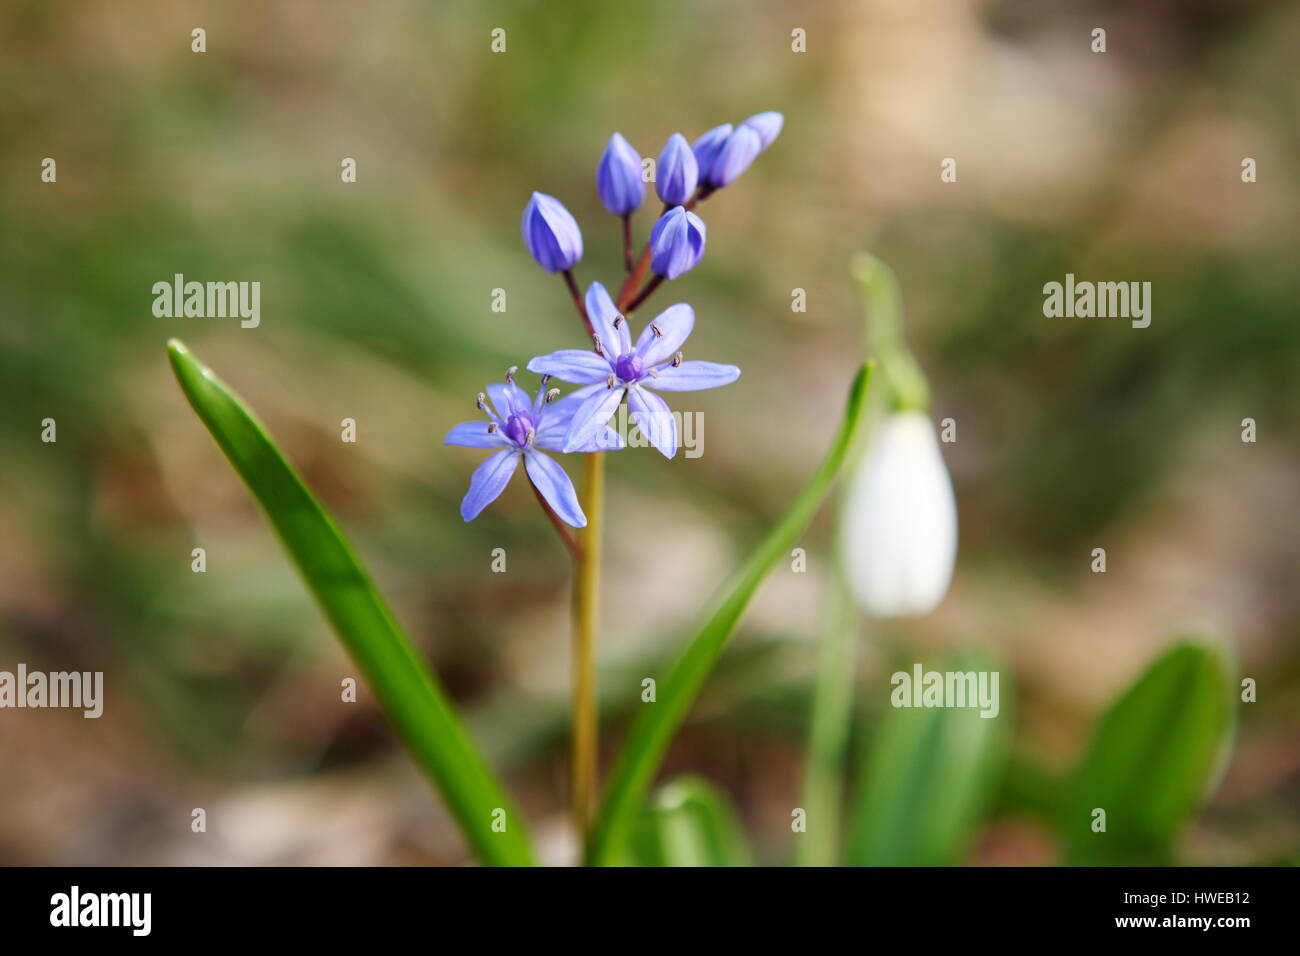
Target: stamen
x,y
600,349
677,360
552,395
481,401
654,372
618,322
510,374
610,380
532,433
546,379
655,329
492,428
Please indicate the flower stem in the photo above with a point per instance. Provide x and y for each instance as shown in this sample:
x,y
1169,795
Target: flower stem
x,y
586,611
828,733
644,294
627,242
578,304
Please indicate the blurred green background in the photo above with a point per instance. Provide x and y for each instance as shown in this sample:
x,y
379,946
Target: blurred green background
x,y
222,688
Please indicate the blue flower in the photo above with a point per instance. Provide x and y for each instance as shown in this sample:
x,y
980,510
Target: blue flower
x,y
707,147
767,125
723,154
551,233
518,428
676,243
618,178
677,171
617,368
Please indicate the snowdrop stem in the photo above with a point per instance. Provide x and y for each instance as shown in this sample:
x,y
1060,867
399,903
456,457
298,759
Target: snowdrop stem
x,y
906,385
828,733
586,611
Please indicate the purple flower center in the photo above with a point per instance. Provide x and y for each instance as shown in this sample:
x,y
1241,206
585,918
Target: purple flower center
x,y
629,367
518,426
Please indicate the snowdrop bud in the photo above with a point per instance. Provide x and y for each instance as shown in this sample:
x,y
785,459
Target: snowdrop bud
x,y
898,540
767,126
741,148
676,243
677,172
618,178
551,233
707,147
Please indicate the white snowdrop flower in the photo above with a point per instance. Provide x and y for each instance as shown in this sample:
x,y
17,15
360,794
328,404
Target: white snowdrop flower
x,y
898,539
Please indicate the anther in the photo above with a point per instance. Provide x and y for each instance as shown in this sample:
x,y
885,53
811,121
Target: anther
x,y
510,374
492,428
655,329
610,380
677,360
552,395
481,401
545,380
618,321
654,372
532,433
600,349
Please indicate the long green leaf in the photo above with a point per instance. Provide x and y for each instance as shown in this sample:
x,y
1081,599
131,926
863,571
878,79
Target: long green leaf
x,y
653,729
1153,760
690,823
929,774
408,693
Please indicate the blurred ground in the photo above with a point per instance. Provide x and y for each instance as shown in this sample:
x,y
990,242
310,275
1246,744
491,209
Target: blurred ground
x,y
1072,434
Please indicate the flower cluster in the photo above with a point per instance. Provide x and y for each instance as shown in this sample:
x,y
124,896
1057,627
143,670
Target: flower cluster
x,y
615,368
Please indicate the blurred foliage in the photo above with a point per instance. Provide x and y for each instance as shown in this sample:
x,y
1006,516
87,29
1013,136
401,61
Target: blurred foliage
x,y
376,296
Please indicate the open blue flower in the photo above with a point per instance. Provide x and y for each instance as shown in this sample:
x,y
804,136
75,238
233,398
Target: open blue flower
x,y
617,368
518,428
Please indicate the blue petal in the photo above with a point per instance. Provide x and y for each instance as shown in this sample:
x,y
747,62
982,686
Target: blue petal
x,y
708,146
551,233
550,479
677,171
674,324
655,419
507,398
767,125
488,481
591,417
692,377
578,366
618,178
602,312
676,243
475,435
744,145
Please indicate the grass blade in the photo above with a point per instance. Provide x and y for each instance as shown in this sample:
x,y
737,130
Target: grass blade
x,y
690,822
653,729
1154,757
407,691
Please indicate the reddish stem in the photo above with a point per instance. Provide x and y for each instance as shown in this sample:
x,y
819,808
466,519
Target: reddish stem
x,y
566,533
577,301
644,294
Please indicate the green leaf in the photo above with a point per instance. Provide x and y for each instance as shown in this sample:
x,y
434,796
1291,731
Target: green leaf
x,y
408,693
1155,756
656,723
690,823
928,777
